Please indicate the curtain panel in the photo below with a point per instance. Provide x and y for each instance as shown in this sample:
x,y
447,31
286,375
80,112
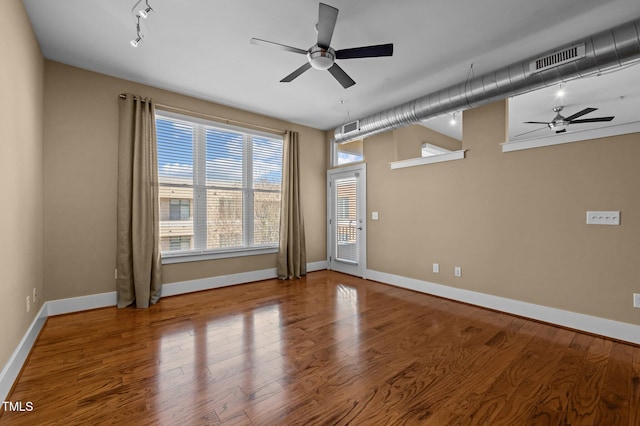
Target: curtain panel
x,y
292,253
138,235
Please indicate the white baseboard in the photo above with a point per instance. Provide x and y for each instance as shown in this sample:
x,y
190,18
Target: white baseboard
x,y
209,283
183,287
590,324
12,368
317,266
10,372
81,303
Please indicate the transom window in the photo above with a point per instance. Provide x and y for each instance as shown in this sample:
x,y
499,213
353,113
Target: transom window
x,y
346,153
219,185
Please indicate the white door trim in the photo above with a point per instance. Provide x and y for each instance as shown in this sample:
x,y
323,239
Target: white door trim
x,y
360,168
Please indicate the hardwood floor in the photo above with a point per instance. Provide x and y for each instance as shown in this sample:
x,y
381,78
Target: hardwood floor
x,y
327,349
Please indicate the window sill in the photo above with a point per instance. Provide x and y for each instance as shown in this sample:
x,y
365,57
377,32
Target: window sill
x,y
420,161
169,258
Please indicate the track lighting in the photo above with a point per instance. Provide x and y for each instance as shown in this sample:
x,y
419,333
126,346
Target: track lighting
x,y
453,119
138,38
145,12
140,12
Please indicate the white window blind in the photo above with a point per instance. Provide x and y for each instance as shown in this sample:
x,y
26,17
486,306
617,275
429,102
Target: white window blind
x,y
226,181
347,218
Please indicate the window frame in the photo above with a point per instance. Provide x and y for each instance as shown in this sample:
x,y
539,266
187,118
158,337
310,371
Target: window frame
x,y
335,154
199,252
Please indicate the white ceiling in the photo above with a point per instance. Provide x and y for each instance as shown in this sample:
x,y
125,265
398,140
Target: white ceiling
x,y
201,48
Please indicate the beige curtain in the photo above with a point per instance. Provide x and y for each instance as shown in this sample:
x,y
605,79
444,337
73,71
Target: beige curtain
x,y
292,254
138,248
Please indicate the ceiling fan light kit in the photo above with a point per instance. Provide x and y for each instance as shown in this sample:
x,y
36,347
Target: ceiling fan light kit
x,y
322,56
321,59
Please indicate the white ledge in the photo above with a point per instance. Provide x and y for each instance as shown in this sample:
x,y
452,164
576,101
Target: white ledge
x,y
562,138
455,155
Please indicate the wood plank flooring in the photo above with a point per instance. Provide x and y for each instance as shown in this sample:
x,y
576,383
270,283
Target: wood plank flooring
x,y
327,349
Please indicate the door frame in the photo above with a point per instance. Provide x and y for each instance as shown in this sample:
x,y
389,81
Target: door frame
x,y
360,168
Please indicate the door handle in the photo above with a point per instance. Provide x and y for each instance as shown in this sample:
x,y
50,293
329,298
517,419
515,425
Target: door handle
x,y
360,228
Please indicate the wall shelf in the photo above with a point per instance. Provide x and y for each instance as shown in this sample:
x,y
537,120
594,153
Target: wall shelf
x,y
420,161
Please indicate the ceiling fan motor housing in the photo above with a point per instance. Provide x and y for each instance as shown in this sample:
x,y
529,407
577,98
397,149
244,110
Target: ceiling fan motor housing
x,y
559,122
320,58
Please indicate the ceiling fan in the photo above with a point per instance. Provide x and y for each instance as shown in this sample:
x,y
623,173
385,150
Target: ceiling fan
x,y
560,123
322,56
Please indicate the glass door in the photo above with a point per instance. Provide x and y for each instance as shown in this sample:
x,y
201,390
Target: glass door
x,y
347,222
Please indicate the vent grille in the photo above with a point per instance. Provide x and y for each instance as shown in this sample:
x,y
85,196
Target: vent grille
x,y
558,58
351,127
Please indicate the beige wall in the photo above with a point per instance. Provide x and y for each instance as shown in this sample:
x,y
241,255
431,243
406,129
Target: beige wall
x,y
514,222
21,210
409,140
80,164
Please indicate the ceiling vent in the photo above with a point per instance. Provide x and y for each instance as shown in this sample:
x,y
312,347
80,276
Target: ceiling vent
x,y
351,127
558,58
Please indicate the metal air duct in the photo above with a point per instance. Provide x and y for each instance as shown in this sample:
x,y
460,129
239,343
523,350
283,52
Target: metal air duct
x,y
604,51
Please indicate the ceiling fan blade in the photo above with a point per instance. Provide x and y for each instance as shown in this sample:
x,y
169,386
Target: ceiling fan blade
x,y
561,131
341,76
261,42
592,120
530,131
296,73
580,113
366,51
536,122
327,16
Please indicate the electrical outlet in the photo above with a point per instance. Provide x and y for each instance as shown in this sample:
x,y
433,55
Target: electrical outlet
x,y
457,271
636,300
28,303
436,268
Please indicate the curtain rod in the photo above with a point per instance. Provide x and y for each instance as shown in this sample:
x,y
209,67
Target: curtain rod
x,y
212,117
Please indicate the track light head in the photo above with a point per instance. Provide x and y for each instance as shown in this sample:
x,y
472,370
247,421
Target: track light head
x,y
137,41
144,13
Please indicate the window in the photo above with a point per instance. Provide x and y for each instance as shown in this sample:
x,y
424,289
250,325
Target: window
x,y
347,152
176,243
179,209
219,188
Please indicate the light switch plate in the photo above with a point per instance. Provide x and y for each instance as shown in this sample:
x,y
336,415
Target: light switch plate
x,y
603,218
374,215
